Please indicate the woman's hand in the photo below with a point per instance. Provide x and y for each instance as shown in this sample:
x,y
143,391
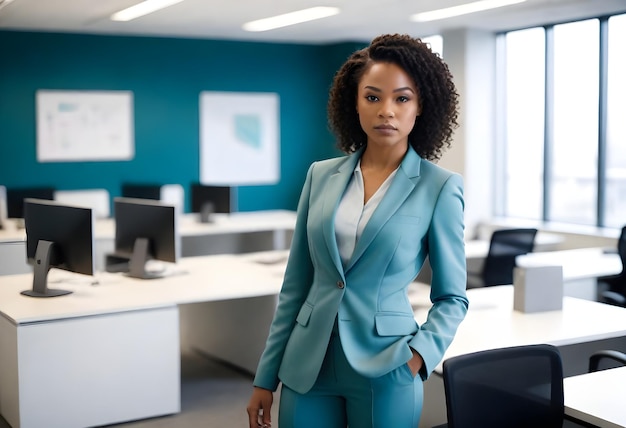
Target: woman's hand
x,y
259,408
415,363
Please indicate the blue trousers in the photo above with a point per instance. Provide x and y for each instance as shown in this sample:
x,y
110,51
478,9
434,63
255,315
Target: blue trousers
x,y
343,398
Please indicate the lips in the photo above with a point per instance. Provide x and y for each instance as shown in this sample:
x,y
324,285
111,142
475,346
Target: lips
x,y
386,129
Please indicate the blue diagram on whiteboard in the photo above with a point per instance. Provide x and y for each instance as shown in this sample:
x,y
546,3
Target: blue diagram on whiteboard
x,y
248,129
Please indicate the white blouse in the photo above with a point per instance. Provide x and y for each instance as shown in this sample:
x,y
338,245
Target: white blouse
x,y
353,215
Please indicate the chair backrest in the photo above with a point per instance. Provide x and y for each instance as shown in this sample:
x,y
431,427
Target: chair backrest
x,y
516,387
504,247
621,249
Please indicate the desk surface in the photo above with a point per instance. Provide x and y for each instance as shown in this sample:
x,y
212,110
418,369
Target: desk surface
x,y
189,224
577,264
492,323
597,398
193,279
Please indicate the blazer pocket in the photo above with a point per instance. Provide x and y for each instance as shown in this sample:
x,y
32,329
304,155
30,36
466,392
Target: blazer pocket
x,y
304,315
395,324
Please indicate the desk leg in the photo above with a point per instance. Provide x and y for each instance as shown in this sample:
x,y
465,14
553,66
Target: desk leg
x,y
92,371
9,387
282,239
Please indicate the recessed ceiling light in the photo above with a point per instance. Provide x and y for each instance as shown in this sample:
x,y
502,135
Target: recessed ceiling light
x,y
462,9
141,9
292,18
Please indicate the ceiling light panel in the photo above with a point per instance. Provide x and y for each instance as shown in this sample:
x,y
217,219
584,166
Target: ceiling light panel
x,y
463,9
292,18
141,9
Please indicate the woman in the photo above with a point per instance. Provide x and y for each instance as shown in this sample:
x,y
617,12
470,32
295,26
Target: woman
x,y
344,341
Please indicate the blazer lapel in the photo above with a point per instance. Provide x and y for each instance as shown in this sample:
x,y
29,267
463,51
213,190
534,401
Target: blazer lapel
x,y
332,195
402,185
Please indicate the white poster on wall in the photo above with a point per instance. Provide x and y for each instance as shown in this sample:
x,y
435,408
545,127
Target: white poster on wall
x,y
75,126
239,138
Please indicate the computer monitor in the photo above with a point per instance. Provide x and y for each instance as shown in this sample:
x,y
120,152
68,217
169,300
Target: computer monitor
x,y
141,191
145,230
16,196
211,199
57,236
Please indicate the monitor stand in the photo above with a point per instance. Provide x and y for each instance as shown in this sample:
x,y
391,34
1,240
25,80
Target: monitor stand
x,y
206,212
137,263
43,255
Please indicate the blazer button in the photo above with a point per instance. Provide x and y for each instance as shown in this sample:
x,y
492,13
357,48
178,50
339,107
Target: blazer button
x,y
340,284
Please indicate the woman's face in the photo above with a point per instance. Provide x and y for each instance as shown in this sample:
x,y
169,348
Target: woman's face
x,y
387,104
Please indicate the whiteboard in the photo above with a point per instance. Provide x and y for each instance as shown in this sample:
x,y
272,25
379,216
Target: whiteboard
x,y
84,126
239,138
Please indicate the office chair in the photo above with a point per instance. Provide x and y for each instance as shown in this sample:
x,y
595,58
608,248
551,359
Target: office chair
x,y
612,289
515,387
504,247
613,357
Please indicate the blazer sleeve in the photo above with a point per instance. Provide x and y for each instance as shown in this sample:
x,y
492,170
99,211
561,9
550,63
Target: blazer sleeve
x,y
296,284
446,252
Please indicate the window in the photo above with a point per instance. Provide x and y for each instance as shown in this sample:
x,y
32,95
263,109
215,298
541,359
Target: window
x,y
435,42
564,133
525,87
574,146
615,199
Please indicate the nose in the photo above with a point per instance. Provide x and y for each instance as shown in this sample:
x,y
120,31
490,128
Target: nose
x,y
386,110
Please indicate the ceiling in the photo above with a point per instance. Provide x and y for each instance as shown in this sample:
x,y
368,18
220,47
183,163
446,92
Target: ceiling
x,y
360,20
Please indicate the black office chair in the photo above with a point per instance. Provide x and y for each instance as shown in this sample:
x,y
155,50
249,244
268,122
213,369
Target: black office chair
x,y
515,387
504,247
612,289
612,357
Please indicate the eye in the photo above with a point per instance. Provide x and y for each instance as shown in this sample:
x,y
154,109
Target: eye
x,y
371,98
403,99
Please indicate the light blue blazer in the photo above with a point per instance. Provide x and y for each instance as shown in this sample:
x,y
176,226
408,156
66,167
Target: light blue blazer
x,y
420,215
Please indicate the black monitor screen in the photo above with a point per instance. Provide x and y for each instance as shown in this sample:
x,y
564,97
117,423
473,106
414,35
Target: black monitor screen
x,y
145,230
141,191
220,197
59,236
15,199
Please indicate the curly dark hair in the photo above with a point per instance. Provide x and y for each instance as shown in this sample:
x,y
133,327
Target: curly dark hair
x,y
438,98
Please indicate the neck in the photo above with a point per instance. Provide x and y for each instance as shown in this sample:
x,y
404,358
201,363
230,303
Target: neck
x,y
382,158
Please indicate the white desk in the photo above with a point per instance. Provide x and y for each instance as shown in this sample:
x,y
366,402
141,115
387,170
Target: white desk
x,y
110,353
476,251
190,225
227,233
582,327
597,398
581,268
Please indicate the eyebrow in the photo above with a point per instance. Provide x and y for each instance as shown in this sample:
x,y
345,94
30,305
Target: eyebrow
x,y
375,89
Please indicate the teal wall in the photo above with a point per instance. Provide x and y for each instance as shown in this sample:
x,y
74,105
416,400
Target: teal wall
x,y
166,76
